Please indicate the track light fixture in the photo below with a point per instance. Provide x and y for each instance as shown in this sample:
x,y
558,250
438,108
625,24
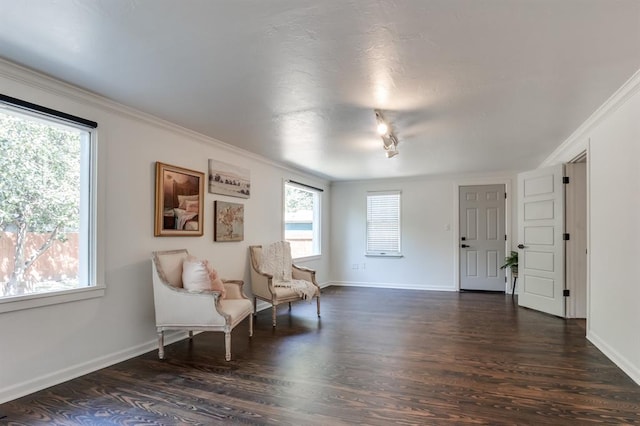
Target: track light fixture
x,y
389,139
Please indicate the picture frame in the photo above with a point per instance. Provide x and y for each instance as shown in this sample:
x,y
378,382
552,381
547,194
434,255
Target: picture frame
x,y
228,221
179,202
227,179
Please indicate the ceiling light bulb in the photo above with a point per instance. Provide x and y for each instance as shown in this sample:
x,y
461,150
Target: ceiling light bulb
x,y
383,128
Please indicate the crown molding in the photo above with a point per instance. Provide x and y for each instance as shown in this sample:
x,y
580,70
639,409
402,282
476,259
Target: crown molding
x,y
578,141
40,81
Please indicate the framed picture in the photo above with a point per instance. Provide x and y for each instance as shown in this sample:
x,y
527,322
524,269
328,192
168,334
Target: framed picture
x,y
227,179
229,221
179,201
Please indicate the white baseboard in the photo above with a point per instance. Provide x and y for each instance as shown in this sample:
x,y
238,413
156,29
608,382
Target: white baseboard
x,y
625,365
399,286
65,374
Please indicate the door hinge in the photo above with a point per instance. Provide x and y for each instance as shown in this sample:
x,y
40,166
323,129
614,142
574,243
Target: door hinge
x,y
505,195
565,179
565,237
505,237
566,293
505,279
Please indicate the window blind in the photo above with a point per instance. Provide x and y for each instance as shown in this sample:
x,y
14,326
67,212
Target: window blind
x,y
383,223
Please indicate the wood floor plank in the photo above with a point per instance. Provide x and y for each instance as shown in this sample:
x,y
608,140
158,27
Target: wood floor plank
x,y
377,356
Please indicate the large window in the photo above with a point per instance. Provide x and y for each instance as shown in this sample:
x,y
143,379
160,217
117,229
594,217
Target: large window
x,y
383,223
302,219
47,214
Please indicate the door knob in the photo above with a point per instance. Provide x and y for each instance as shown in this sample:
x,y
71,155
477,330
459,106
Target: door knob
x,y
465,246
521,246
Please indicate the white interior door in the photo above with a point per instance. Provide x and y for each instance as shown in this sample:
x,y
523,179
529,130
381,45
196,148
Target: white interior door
x,y
540,238
482,237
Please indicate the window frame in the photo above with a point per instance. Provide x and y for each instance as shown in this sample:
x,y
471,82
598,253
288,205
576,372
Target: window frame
x,y
89,257
317,217
384,253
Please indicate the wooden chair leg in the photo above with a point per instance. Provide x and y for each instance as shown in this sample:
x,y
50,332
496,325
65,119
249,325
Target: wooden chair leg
x,y
273,315
255,306
289,305
161,344
190,334
318,302
250,325
227,345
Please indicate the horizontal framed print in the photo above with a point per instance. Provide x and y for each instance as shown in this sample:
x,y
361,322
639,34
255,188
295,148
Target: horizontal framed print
x,y
227,179
229,221
179,201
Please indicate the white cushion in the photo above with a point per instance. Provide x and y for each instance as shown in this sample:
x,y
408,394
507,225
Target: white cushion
x,y
195,275
198,275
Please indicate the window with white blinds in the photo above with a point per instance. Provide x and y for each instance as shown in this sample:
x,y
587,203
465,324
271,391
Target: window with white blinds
x,y
383,223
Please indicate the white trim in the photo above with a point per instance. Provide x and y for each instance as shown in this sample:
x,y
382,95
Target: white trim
x,y
399,286
387,253
496,180
65,374
305,259
588,235
91,247
36,300
579,140
624,364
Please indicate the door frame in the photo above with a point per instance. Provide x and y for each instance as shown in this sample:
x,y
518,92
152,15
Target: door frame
x,y
507,181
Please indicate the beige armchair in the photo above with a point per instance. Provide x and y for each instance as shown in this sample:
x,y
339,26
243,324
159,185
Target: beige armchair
x,y
180,309
263,287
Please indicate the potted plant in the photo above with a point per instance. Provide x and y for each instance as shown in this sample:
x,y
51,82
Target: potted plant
x,y
512,263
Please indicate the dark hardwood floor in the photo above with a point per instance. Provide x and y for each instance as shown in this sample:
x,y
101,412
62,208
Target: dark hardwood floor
x,y
376,357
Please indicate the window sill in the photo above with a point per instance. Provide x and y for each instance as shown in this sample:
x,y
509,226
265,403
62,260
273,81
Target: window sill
x,y
28,301
397,255
307,258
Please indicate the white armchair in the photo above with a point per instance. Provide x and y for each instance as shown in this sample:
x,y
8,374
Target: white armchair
x,y
180,309
263,288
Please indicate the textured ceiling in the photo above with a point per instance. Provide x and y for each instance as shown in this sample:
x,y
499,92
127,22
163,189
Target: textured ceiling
x,y
471,86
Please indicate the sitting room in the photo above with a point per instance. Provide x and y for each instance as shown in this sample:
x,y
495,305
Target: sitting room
x,y
336,212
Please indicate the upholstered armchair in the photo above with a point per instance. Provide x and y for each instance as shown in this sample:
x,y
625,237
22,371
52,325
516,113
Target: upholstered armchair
x,y
204,310
264,288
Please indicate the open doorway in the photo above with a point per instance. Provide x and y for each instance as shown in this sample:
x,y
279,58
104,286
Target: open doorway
x,y
576,246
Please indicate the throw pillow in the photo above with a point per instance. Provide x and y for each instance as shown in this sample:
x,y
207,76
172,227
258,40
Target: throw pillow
x,y
216,282
197,276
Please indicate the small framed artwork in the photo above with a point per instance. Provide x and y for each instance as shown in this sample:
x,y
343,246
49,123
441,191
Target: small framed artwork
x,y
179,201
227,179
228,222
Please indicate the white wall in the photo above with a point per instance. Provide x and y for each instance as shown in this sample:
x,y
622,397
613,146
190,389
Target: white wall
x,y
44,346
430,242
612,136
